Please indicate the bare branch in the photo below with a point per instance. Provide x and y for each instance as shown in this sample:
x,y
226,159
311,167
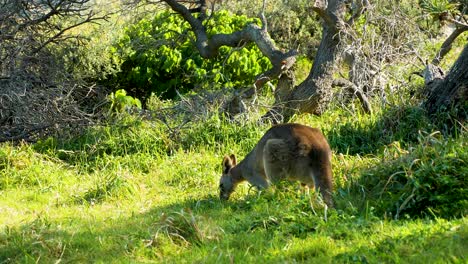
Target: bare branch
x,y
263,18
458,23
320,7
196,24
52,39
341,82
25,135
209,47
447,45
359,7
36,95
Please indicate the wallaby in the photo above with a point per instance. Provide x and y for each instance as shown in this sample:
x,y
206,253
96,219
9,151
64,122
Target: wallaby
x,y
287,151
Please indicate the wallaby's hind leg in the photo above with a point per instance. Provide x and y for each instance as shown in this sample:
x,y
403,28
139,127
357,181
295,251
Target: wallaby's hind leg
x,y
274,169
305,188
275,157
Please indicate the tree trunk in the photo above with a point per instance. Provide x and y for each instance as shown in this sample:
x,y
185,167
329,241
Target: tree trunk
x,y
311,96
452,90
314,94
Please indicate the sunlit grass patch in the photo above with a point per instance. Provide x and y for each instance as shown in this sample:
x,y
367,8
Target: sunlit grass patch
x,y
137,192
21,167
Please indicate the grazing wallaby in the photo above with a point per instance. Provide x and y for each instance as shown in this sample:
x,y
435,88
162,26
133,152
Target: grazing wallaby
x,y
287,151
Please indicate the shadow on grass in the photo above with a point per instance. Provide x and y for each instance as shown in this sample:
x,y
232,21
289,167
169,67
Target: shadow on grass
x,y
170,229
402,124
209,230
420,246
426,180
46,242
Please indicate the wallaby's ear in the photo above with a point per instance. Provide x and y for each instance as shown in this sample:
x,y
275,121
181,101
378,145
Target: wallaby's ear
x,y
227,164
233,159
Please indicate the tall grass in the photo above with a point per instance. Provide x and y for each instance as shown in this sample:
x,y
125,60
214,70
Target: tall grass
x,y
138,191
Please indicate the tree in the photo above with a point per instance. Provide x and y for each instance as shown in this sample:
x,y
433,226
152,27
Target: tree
x,y
451,90
312,95
442,91
35,90
447,12
368,44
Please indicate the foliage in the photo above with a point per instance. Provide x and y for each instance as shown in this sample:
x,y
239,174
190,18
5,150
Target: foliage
x,y
120,101
290,23
302,68
39,94
427,180
157,55
144,188
145,191
370,134
437,8
437,13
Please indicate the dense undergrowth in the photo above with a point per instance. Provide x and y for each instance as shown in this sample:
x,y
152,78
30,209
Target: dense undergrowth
x,y
135,190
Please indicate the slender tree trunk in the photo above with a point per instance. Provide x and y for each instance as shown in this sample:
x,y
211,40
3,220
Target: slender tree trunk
x,y
314,94
451,90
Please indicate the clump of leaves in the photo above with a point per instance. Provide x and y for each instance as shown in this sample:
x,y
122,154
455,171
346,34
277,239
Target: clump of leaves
x,y
438,8
121,102
157,55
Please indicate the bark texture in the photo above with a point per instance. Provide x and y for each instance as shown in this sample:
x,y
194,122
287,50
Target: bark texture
x,y
452,90
314,94
311,96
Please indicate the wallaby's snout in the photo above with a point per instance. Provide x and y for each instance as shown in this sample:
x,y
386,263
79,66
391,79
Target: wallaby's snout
x,y
227,182
224,194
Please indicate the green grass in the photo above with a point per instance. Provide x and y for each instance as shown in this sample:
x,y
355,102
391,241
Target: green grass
x,y
135,191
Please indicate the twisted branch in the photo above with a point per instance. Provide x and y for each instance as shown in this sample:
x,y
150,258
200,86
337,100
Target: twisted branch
x,y
209,46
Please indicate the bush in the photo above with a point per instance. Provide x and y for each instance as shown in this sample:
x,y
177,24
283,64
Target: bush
x,y
157,55
429,180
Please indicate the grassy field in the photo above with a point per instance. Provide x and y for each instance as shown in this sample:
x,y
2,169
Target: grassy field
x,y
136,191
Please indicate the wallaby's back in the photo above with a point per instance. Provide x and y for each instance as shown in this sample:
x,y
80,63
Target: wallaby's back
x,y
287,151
296,152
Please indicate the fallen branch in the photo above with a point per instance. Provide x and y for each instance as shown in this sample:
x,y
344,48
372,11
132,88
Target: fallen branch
x,y
26,135
341,82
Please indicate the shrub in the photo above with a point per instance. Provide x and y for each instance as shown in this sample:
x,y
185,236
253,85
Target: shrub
x,y
430,180
120,101
157,55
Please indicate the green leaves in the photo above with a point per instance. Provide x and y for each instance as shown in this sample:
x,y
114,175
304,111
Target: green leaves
x,y
158,56
437,8
120,101
429,180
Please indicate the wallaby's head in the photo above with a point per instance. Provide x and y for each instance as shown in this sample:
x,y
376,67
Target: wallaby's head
x,y
227,183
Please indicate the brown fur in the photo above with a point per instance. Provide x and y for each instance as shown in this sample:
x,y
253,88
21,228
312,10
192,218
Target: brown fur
x,y
287,151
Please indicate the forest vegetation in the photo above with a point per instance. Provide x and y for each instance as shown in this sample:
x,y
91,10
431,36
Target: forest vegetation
x,y
115,117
